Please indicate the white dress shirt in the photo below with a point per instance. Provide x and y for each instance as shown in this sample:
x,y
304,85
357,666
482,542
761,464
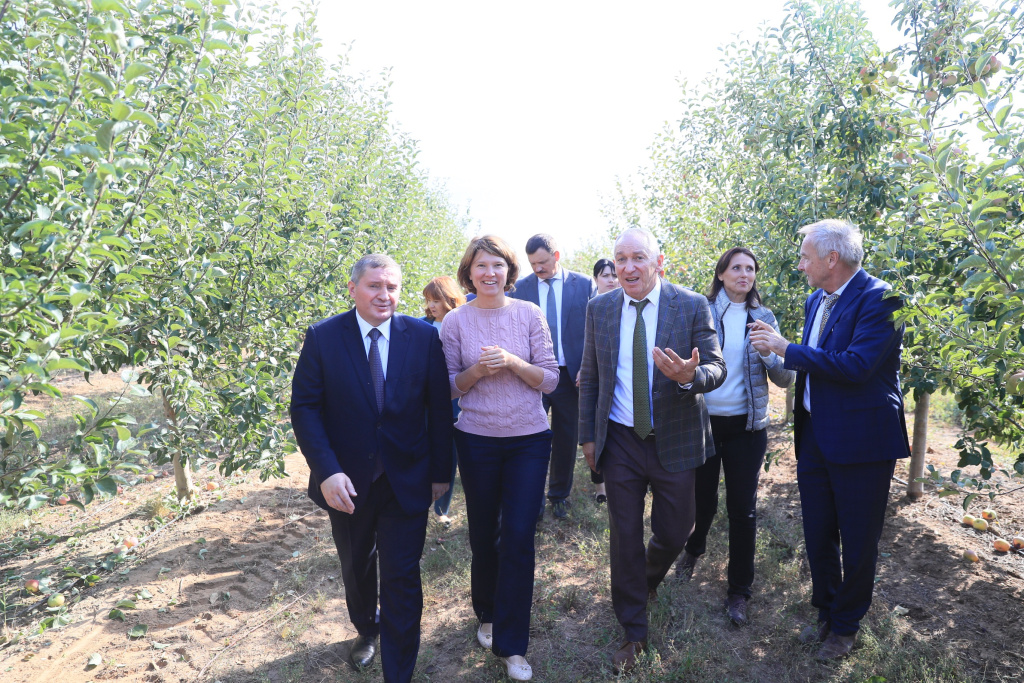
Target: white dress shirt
x,y
382,344
622,397
812,339
556,280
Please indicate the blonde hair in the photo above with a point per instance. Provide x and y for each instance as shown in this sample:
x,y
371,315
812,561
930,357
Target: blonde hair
x,y
443,289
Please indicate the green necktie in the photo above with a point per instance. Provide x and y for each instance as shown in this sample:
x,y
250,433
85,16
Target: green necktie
x,y
641,389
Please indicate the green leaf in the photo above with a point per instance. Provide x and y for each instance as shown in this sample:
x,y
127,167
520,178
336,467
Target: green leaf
x,y
115,614
94,660
125,604
138,631
144,117
968,499
217,44
120,111
136,69
102,80
109,131
109,6
107,485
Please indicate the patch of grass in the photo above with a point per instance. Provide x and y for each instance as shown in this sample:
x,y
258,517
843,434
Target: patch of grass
x,y
11,521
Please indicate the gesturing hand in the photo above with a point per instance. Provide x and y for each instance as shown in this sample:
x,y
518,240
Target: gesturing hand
x,y
766,340
674,367
338,492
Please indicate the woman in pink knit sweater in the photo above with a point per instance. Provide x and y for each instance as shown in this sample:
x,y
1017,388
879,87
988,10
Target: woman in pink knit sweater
x,y
500,361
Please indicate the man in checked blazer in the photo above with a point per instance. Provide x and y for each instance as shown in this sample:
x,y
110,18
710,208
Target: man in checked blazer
x,y
643,420
848,379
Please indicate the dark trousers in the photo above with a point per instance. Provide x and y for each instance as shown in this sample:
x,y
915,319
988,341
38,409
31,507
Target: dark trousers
x,y
443,505
740,454
503,479
381,532
564,404
629,464
843,510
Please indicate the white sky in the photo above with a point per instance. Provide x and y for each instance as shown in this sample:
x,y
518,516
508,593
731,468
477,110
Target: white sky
x,y
529,111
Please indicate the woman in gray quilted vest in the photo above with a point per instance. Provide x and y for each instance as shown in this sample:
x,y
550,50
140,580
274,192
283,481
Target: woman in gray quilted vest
x,y
739,416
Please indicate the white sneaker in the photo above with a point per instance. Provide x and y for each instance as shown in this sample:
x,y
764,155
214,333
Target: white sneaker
x,y
519,670
483,635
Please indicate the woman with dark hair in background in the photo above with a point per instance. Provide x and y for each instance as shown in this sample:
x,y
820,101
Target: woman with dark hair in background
x,y
500,362
440,296
739,417
607,280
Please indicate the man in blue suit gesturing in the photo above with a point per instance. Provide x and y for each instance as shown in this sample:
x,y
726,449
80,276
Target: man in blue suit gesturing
x,y
563,295
373,417
849,425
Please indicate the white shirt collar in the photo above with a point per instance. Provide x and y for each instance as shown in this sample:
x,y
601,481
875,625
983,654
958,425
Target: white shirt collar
x,y
557,275
365,327
652,297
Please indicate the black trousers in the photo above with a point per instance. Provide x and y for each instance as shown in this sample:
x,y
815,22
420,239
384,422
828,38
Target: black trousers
x,y
382,534
740,454
564,403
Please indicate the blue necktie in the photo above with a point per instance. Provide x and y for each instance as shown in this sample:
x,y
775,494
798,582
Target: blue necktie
x,y
377,377
552,315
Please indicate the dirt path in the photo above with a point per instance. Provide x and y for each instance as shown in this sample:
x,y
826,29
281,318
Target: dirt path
x,y
249,589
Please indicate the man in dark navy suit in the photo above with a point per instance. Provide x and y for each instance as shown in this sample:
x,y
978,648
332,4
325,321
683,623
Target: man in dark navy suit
x,y
849,425
372,415
562,296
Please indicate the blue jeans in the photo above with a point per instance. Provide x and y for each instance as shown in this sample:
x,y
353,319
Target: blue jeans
x,y
503,479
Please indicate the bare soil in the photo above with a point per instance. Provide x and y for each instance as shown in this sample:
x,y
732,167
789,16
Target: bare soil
x,y
247,588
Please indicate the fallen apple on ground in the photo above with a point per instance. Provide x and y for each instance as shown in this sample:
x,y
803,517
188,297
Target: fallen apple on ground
x,y
1001,545
990,515
32,586
1018,542
971,556
63,500
55,600
968,520
980,525
211,486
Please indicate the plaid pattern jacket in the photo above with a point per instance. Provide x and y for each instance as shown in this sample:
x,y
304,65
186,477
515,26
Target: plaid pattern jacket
x,y
681,425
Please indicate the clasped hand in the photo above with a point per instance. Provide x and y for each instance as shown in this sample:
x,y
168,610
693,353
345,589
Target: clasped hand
x,y
674,367
494,358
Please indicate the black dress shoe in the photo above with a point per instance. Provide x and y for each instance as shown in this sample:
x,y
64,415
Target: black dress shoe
x,y
736,605
560,508
815,634
362,652
686,565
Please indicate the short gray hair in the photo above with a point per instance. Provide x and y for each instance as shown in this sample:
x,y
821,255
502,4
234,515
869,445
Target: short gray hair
x,y
371,261
645,236
842,237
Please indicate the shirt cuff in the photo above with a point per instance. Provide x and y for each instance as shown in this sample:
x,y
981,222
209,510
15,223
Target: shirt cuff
x,y
685,387
770,360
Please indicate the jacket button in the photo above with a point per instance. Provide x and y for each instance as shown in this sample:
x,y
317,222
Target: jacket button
x,y
370,456
380,425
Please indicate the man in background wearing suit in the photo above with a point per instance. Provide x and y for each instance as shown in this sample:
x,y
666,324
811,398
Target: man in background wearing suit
x,y
643,421
849,425
562,295
373,417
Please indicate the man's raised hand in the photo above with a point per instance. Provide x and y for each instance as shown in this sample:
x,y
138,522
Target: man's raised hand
x,y
674,367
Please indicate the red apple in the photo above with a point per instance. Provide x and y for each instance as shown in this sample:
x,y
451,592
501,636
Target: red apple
x,y
1001,545
988,514
32,585
131,542
63,499
931,95
1018,542
211,486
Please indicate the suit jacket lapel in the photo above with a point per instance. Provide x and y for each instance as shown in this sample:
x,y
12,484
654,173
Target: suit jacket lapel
x,y
398,347
851,292
353,344
668,310
568,287
612,325
813,307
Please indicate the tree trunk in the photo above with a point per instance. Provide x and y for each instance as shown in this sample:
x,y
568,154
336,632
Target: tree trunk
x,y
182,476
915,489
790,402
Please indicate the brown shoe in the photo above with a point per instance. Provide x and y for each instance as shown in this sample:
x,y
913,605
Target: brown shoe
x,y
815,634
625,657
836,647
736,605
685,566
